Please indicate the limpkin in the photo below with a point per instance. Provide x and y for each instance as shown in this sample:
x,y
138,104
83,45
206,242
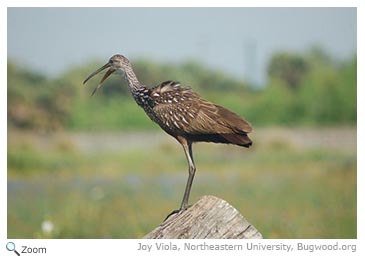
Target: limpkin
x,y
181,113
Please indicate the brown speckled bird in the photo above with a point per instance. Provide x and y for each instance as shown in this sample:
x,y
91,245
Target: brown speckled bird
x,y
182,113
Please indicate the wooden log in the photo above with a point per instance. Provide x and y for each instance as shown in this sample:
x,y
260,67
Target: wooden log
x,y
209,217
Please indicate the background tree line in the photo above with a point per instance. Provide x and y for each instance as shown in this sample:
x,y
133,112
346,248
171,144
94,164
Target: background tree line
x,y
302,89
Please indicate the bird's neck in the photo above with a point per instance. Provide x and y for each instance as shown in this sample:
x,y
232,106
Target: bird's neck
x,y
133,83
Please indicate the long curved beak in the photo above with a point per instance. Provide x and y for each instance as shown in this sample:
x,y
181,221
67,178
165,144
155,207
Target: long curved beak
x,y
106,75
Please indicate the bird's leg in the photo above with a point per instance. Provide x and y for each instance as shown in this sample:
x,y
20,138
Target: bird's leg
x,y
189,156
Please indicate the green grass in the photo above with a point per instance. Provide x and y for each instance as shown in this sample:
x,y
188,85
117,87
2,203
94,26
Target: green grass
x,y
94,114
286,192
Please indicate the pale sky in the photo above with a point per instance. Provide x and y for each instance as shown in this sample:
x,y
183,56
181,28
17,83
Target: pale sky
x,y
239,41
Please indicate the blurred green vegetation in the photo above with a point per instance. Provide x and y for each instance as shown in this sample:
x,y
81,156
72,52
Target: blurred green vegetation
x,y
302,89
286,190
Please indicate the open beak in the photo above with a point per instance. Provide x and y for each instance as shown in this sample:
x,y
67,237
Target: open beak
x,y
106,75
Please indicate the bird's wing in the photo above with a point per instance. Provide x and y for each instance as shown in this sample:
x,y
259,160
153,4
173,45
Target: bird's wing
x,y
182,110
212,118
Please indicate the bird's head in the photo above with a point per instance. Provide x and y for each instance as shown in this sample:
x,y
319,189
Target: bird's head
x,y
116,62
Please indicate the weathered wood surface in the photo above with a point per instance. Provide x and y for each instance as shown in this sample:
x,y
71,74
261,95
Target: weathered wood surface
x,y
209,217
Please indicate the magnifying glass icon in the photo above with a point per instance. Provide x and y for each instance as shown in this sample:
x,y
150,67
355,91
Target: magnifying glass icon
x,y
11,247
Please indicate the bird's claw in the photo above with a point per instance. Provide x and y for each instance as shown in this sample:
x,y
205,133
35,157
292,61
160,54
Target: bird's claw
x,y
176,212
172,213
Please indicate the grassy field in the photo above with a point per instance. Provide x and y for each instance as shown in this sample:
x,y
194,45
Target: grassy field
x,y
293,183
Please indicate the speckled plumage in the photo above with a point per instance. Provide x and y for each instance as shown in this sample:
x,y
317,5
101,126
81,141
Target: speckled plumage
x,y
182,113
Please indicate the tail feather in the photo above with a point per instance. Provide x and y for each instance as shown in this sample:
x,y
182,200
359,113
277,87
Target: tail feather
x,y
238,139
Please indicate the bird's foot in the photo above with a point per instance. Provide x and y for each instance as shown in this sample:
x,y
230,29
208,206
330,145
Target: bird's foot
x,y
172,213
176,212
